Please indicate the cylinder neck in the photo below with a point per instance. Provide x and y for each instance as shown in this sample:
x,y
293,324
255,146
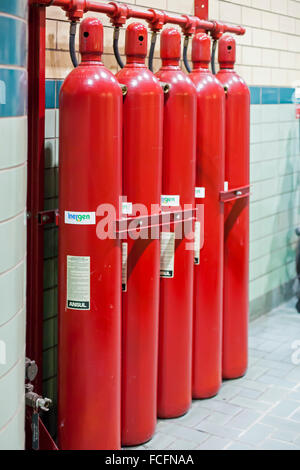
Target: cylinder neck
x,y
201,51
136,44
227,52
200,66
170,63
130,60
170,47
91,40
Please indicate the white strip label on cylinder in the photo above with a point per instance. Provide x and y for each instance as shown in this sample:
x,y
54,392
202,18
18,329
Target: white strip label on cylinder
x,y
199,193
197,243
80,218
124,266
226,186
78,282
167,254
127,208
170,201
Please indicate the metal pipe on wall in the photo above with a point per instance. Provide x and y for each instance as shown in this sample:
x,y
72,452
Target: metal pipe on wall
x,y
76,8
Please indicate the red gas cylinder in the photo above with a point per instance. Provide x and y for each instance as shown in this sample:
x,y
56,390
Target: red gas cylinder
x,y
142,167
208,274
236,256
89,368
179,168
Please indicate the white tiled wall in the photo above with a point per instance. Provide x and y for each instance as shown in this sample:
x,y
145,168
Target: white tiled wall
x,y
275,202
269,53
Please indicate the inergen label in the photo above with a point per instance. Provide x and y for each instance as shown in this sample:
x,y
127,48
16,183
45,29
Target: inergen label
x,y
80,218
170,201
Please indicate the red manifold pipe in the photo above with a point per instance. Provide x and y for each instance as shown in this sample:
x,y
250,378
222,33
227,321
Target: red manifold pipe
x,y
76,8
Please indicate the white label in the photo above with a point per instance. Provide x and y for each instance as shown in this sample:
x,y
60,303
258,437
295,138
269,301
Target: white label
x,y
167,254
170,201
124,266
199,193
78,282
127,208
197,242
226,186
80,218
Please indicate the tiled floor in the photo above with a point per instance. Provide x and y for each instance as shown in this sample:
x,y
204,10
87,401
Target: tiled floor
x,y
259,411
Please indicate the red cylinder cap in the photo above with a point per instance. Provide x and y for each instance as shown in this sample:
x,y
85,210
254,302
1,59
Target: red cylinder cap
x,y
91,39
227,52
170,45
136,41
201,50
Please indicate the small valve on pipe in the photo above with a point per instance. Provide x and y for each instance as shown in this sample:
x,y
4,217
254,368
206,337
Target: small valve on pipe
x,y
34,401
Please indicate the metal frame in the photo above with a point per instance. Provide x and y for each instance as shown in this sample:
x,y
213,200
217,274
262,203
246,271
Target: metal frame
x,y
201,9
35,195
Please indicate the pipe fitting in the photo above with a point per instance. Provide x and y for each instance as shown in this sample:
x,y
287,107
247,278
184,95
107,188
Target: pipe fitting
x,y
189,29
217,30
158,21
120,15
76,9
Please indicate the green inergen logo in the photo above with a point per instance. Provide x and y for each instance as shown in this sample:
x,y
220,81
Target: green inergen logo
x,y
80,218
170,200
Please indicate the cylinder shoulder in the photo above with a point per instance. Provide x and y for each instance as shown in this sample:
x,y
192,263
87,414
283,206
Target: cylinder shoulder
x,y
178,80
205,81
140,78
233,81
92,78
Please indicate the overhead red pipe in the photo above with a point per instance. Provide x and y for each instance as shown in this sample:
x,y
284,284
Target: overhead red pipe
x,y
76,8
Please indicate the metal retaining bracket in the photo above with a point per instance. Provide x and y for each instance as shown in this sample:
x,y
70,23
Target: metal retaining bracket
x,y
235,193
48,217
166,218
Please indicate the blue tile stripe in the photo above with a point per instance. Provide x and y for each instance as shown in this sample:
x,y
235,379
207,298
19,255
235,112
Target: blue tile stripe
x,y
52,93
14,7
259,95
272,95
13,92
14,50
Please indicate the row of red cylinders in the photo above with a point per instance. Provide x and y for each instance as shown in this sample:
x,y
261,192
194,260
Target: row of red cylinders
x,y
126,358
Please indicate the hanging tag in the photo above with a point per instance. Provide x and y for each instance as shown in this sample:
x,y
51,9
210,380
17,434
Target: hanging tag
x,y
124,266
197,243
35,431
199,193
